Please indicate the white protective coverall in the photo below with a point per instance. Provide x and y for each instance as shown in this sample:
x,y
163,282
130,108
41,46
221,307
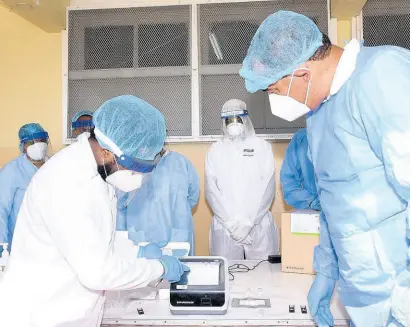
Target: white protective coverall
x,y
240,186
62,260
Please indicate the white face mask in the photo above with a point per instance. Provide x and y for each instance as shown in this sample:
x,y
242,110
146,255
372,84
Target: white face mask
x,y
286,107
235,129
125,180
37,151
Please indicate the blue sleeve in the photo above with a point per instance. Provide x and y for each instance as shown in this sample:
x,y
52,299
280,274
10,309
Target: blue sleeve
x,y
7,191
121,224
325,259
193,185
292,180
384,104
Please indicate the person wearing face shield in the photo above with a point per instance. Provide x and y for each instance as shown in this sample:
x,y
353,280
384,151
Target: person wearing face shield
x,y
167,197
297,175
82,122
240,188
63,257
358,105
16,175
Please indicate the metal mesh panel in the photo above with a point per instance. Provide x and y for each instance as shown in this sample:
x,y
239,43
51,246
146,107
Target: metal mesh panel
x,y
164,93
108,47
386,22
225,33
257,103
141,51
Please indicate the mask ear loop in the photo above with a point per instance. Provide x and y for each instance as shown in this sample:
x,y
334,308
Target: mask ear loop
x,y
309,83
104,166
115,160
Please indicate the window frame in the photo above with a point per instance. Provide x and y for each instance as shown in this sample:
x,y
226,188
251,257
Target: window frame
x,y
194,30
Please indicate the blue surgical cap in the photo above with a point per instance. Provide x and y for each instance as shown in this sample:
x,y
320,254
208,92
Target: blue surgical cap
x,y
32,131
133,125
283,41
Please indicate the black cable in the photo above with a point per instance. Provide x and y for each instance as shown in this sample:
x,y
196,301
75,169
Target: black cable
x,y
241,268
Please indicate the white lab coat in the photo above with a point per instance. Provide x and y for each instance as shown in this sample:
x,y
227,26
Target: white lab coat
x,y
63,260
240,185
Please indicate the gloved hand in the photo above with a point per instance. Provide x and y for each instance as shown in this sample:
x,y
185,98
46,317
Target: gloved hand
x,y
319,299
173,268
247,241
240,233
151,251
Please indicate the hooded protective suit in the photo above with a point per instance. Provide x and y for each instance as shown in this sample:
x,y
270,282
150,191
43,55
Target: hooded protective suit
x,y
240,188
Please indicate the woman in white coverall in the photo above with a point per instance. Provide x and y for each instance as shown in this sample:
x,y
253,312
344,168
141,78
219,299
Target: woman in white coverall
x,y
240,188
63,260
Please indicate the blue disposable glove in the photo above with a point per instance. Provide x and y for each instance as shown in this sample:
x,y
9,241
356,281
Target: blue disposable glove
x,y
151,251
173,268
319,299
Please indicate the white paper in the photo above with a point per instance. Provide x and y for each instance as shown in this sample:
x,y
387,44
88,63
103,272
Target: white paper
x,y
305,223
251,302
203,273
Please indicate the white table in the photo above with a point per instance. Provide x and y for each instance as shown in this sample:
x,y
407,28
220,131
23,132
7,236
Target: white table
x,y
266,281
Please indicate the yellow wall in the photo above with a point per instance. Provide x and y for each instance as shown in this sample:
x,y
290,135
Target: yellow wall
x,y
30,81
343,31
30,90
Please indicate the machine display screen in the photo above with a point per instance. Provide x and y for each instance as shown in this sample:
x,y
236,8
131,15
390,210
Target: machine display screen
x,y
203,273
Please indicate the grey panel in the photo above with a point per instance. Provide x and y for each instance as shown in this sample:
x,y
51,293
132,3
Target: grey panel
x,y
171,95
386,23
225,32
141,51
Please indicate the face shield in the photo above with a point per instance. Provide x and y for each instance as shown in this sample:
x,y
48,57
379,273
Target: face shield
x,y
36,146
237,125
81,125
128,173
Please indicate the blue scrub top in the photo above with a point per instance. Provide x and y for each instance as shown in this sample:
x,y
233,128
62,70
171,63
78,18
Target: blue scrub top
x,y
297,175
14,179
161,210
359,142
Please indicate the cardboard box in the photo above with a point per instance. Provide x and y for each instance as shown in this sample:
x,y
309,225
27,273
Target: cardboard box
x,y
300,234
